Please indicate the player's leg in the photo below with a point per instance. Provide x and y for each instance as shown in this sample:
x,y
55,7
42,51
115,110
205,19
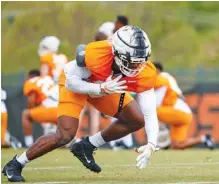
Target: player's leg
x,y
4,125
178,134
122,143
38,114
130,119
70,106
179,138
179,122
66,130
94,120
69,110
27,127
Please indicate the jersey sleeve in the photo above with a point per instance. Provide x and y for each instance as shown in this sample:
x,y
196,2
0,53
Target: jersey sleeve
x,y
99,58
170,96
160,82
172,81
93,54
28,88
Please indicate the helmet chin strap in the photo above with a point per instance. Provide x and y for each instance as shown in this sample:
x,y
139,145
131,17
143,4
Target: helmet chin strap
x,y
119,67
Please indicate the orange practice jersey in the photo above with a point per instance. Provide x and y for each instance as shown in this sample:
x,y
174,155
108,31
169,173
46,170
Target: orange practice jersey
x,y
99,59
55,63
40,86
171,96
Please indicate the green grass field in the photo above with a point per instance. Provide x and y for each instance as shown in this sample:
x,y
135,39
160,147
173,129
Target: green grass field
x,y
190,166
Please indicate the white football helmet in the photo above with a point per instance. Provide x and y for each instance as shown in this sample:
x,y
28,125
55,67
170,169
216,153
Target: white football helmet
x,y
131,48
49,44
107,28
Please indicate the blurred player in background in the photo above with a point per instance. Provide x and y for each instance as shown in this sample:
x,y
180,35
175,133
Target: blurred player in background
x,y
51,63
120,22
7,140
173,111
108,68
164,140
42,99
173,83
105,31
4,118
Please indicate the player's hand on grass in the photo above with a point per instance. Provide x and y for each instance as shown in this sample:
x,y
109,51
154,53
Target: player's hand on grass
x,y
113,85
145,154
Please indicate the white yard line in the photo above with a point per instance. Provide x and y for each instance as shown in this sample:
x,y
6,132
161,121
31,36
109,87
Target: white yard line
x,y
198,182
168,165
129,165
49,182
64,182
151,166
189,164
48,168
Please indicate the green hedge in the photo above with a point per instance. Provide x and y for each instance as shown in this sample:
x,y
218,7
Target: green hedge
x,y
183,34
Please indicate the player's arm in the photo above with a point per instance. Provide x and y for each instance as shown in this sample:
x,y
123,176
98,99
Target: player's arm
x,y
147,102
31,100
76,81
44,69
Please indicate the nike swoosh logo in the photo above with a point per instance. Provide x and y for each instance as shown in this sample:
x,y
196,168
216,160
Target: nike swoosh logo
x,y
88,161
131,81
9,176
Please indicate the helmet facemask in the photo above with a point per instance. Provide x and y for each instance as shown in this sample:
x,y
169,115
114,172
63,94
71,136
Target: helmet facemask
x,y
130,66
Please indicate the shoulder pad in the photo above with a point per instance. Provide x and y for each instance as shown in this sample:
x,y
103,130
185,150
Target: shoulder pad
x,y
80,55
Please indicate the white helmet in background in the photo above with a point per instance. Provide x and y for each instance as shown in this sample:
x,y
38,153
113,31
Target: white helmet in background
x,y
49,44
107,28
132,49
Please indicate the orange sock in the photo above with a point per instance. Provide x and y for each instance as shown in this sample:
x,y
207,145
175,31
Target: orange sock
x,y
4,126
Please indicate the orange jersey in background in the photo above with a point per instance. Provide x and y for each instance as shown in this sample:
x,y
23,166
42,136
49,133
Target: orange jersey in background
x,y
172,81
55,63
171,96
40,86
173,111
99,59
